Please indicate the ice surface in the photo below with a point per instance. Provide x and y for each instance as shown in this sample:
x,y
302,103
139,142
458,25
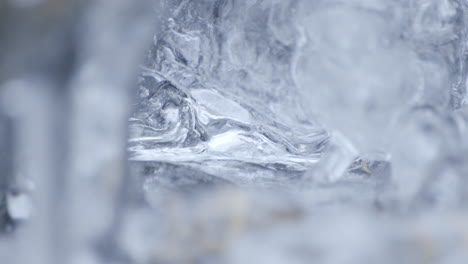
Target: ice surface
x,y
266,82
332,131
261,131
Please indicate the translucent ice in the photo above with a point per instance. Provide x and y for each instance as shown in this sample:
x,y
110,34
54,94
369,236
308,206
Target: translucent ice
x,y
261,131
351,111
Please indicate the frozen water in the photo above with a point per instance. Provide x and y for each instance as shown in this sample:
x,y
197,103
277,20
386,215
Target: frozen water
x,y
204,98
342,122
262,131
275,83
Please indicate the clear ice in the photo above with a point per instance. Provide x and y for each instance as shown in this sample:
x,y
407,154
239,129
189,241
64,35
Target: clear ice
x,y
258,131
332,131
